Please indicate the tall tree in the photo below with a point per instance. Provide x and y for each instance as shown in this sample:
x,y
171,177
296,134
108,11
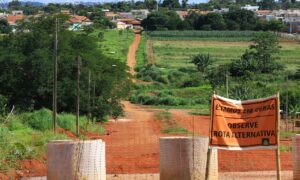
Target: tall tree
x,y
171,4
14,5
184,3
151,4
5,28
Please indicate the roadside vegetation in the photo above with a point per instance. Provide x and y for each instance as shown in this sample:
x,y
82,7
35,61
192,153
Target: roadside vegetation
x,y
186,73
26,82
24,135
169,125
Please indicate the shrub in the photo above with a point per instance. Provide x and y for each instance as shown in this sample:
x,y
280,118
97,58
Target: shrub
x,y
67,122
39,120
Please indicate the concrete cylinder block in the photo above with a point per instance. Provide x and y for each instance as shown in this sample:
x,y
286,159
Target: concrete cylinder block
x,y
80,160
184,158
296,157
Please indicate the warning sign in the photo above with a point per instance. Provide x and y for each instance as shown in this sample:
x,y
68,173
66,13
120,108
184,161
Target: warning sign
x,y
244,124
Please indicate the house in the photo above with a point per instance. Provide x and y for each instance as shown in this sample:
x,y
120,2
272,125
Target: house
x,y
182,14
140,13
13,19
221,11
126,15
198,11
78,22
16,13
136,25
68,12
250,8
122,25
111,15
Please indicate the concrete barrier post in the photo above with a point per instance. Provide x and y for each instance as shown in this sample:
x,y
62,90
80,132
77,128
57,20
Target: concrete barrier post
x,y
296,157
184,158
76,160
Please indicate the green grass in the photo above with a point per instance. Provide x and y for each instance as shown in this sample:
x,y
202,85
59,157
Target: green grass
x,y
115,45
203,35
141,54
169,125
25,135
177,54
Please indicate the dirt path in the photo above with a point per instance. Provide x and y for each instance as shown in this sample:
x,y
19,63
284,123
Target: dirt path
x,y
131,60
132,141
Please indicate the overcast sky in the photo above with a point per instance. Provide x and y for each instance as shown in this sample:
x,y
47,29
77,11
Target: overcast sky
x,y
72,1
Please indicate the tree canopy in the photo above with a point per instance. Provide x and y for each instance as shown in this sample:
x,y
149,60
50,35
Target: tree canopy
x,y
27,64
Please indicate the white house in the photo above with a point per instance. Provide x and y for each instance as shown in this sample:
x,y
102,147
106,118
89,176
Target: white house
x,y
250,8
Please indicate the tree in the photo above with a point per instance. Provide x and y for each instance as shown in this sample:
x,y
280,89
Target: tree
x,y
265,47
260,57
171,4
267,4
5,28
100,21
14,5
202,61
244,19
27,64
275,25
151,4
184,3
162,20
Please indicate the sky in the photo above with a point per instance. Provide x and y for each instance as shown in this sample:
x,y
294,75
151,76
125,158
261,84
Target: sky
x,y
72,1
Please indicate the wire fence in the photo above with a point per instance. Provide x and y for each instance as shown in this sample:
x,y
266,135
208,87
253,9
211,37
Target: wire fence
x,y
160,144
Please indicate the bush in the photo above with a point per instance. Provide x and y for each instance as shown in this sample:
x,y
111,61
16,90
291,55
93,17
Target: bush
x,y
67,122
39,120
3,106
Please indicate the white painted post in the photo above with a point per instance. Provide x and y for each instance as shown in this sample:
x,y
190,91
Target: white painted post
x,y
76,160
296,157
184,158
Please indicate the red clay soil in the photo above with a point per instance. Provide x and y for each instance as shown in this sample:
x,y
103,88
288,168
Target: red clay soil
x,y
30,168
131,61
67,133
132,142
251,160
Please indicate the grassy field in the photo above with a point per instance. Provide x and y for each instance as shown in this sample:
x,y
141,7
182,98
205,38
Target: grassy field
x,y
177,84
115,44
175,54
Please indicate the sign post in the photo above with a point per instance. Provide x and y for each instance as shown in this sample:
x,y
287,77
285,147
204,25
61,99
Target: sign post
x,y
245,125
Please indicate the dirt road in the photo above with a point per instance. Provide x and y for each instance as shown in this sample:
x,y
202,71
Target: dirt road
x,y
131,60
132,141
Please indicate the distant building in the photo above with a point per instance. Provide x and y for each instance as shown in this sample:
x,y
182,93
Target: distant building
x,y
128,24
13,19
182,14
17,13
111,15
78,22
66,11
127,15
250,8
122,25
221,11
140,13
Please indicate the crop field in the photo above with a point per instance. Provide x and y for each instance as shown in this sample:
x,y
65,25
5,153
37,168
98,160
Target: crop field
x,y
202,35
175,54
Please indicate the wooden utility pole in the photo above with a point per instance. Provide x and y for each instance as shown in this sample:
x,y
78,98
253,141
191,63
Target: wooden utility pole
x,y
78,94
89,97
287,104
55,67
277,151
227,94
